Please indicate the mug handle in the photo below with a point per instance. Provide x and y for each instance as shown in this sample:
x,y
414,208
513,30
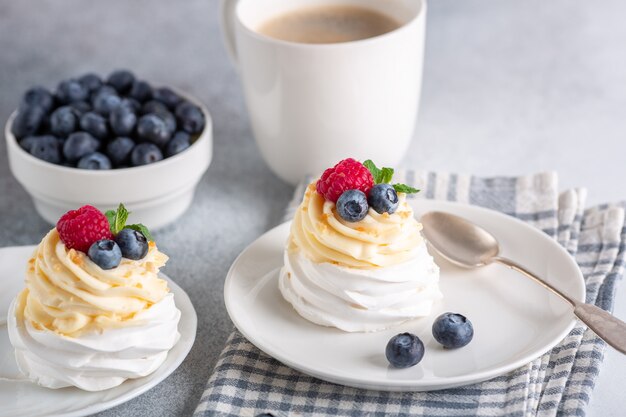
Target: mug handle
x,y
227,24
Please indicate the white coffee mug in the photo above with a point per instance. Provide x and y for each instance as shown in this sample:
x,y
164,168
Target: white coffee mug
x,y
312,105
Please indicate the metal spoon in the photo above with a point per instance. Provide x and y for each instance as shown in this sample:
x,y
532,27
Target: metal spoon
x,y
468,245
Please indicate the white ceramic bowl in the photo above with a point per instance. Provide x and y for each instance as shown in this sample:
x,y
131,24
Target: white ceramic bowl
x,y
156,194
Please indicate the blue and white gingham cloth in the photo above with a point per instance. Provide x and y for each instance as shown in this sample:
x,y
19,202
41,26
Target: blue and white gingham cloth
x,y
246,382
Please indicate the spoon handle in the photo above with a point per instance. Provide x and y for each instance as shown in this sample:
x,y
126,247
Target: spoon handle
x,y
609,328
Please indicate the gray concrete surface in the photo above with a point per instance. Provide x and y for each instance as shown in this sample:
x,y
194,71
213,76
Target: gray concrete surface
x,y
510,87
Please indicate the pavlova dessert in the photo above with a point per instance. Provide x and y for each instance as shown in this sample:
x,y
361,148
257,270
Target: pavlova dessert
x,y
94,311
355,258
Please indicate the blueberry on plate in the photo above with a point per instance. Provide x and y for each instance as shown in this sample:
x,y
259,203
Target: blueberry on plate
x,y
95,125
133,244
79,144
190,117
166,96
177,144
63,121
404,350
119,150
46,148
28,121
38,96
122,120
145,153
383,198
352,205
121,80
70,91
94,161
91,81
152,128
105,100
453,330
140,91
105,253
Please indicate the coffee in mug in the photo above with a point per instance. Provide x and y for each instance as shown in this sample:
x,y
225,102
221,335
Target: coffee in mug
x,y
328,24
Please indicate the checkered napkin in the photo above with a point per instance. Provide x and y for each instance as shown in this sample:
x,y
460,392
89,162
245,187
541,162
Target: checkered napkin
x,y
247,382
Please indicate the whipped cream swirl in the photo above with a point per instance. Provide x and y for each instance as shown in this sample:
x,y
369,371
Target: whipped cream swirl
x,y
78,325
362,276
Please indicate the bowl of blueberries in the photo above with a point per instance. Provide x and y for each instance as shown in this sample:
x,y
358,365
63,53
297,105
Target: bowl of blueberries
x,y
100,140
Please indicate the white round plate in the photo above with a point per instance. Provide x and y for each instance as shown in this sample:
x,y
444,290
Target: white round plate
x,y
514,319
27,399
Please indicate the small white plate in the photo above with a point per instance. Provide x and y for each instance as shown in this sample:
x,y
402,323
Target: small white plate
x,y
27,399
514,319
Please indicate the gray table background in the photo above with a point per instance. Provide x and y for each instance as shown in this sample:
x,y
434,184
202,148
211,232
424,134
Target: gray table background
x,y
510,87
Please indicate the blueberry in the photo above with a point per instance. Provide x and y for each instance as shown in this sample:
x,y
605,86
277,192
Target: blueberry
x,y
28,121
352,205
92,82
453,330
119,150
105,100
141,91
105,253
162,111
79,144
190,117
179,143
46,148
80,107
38,96
95,125
153,106
145,153
133,244
28,142
404,350
383,198
152,128
132,104
122,120
94,161
121,80
166,96
70,91
63,121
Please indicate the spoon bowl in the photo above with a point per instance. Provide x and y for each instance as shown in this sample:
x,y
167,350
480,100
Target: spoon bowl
x,y
468,245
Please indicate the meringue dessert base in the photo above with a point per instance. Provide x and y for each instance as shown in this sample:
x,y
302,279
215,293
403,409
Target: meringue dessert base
x,y
360,300
94,361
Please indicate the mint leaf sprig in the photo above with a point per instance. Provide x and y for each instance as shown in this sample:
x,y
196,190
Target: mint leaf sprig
x,y
384,176
117,221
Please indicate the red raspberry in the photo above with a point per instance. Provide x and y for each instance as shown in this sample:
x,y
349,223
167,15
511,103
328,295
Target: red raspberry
x,y
348,174
79,229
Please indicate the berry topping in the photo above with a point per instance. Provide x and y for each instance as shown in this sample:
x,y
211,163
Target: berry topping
x,y
404,350
133,244
352,206
79,229
383,198
453,330
348,174
105,253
